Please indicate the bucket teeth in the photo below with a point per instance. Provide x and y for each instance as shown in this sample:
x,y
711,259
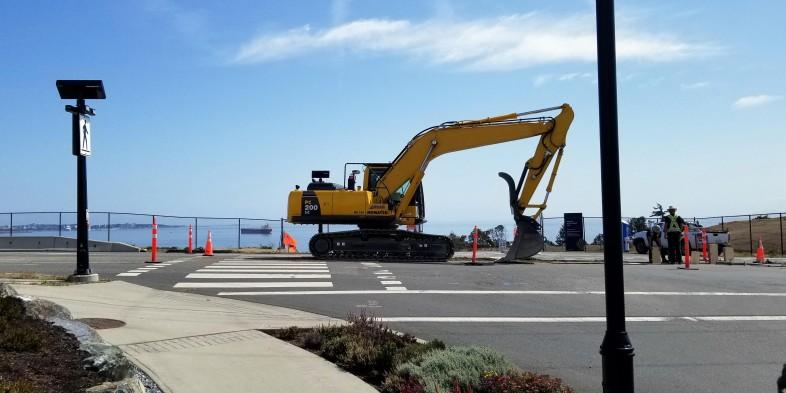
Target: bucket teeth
x,y
527,241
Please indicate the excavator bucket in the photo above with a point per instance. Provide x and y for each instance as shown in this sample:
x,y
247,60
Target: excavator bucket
x,y
527,241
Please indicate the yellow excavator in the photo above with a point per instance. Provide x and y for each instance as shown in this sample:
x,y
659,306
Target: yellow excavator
x,y
392,193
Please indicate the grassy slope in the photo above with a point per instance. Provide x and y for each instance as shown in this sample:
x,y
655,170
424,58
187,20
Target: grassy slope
x,y
766,229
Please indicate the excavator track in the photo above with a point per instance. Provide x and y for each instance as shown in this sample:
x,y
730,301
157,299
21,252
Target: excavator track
x,y
381,244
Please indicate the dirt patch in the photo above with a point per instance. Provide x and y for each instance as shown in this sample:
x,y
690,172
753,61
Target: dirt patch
x,y
37,356
30,276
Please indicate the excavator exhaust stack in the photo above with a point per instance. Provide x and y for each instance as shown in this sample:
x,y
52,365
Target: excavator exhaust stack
x,y
527,241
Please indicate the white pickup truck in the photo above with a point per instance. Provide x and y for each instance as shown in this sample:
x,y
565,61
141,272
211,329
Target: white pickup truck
x,y
641,239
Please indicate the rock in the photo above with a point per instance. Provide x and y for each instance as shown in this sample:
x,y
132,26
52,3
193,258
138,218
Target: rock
x,y
6,290
44,309
128,385
107,360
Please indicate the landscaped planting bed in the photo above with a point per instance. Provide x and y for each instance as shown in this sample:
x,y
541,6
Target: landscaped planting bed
x,y
395,362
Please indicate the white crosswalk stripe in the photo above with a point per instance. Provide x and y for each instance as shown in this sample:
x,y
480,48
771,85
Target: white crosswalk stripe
x,y
280,275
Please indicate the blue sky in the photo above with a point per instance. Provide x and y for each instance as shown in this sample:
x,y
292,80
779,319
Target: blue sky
x,y
221,108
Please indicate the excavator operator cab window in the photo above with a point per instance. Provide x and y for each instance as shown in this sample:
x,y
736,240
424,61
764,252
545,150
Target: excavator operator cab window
x,y
373,174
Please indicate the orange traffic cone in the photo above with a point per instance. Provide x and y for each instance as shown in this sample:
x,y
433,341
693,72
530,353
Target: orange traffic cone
x,y
760,253
209,245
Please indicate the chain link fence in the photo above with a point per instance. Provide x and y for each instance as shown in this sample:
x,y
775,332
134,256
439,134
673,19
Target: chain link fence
x,y
237,232
136,228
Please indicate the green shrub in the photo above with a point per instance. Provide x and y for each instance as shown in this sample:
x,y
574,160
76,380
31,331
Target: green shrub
x,y
11,308
415,351
17,386
17,339
522,382
288,334
313,339
402,384
446,369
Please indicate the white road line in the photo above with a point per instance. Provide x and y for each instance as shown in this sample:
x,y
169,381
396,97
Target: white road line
x,y
745,318
255,275
138,271
272,263
147,268
390,282
513,292
164,264
128,274
262,271
386,277
396,288
294,284
264,267
383,272
267,265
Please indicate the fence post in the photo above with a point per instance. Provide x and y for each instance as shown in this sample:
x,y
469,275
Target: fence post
x,y
584,233
281,239
196,230
238,233
541,233
59,224
11,227
750,233
780,222
108,226
722,228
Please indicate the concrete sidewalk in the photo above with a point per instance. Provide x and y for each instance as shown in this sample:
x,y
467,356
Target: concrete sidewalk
x,y
195,343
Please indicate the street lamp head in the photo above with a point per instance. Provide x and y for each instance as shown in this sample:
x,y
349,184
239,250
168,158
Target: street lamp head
x,y
81,89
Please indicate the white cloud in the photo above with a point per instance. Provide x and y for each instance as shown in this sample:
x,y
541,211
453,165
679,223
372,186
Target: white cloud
x,y
695,85
503,43
752,101
541,80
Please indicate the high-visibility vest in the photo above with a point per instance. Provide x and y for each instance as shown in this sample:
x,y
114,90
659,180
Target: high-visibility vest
x,y
673,226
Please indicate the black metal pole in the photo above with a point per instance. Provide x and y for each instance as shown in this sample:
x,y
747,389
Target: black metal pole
x,y
196,230
82,250
11,227
722,227
780,222
59,224
750,233
238,233
281,240
108,226
616,349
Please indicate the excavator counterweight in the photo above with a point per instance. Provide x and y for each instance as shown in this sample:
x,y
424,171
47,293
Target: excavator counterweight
x,y
392,193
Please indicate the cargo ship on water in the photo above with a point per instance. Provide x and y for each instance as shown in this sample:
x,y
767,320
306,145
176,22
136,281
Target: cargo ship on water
x,y
264,230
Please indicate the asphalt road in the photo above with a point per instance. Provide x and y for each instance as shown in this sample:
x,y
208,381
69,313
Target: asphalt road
x,y
716,329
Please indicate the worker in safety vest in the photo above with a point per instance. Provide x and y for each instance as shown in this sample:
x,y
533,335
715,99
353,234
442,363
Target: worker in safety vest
x,y
672,224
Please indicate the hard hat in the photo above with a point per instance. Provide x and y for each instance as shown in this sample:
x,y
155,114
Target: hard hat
x,y
671,208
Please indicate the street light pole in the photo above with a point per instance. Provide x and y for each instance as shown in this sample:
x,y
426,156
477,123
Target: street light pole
x,y
82,251
80,90
616,349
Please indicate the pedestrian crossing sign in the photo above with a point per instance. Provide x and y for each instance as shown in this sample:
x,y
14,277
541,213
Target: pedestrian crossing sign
x,y
84,135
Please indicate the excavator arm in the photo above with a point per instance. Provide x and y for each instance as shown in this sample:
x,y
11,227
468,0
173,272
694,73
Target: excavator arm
x,y
399,184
